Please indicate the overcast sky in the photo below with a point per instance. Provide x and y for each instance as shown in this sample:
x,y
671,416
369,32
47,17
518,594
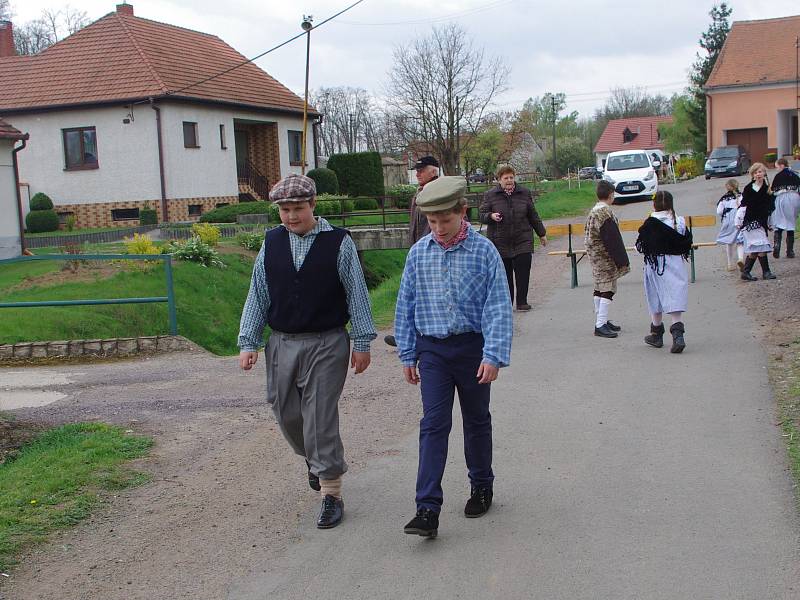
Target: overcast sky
x,y
582,47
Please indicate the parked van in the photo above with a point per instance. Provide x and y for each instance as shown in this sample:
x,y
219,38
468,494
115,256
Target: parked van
x,y
632,174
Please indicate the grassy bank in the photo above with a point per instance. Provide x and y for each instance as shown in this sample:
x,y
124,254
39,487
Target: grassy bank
x,y
56,480
785,378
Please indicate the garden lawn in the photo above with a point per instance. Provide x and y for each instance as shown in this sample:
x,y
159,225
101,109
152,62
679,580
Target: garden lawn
x,y
55,481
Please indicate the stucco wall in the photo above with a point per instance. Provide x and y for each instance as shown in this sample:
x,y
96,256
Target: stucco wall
x,y
748,109
9,220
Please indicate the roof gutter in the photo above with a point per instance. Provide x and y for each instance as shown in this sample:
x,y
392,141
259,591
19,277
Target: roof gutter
x,y
164,210
15,165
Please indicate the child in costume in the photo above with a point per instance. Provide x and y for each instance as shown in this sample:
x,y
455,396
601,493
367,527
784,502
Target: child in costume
x,y
753,218
726,211
786,187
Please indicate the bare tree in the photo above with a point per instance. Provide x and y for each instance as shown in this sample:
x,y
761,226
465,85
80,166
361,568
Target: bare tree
x,y
34,36
440,86
348,125
5,10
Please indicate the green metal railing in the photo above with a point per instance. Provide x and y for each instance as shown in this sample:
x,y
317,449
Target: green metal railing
x,y
169,298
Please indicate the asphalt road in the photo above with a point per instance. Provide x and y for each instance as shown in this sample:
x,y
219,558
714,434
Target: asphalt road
x,y
622,471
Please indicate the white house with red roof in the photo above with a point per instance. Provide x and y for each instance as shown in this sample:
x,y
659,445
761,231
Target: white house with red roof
x,y
129,111
10,216
633,133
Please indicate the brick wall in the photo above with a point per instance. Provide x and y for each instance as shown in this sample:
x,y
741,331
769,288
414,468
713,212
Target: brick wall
x,y
264,150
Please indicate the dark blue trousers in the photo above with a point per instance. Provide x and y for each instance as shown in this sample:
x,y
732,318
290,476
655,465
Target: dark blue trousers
x,y
446,365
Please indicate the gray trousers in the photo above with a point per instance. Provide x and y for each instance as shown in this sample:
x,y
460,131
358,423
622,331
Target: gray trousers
x,y
305,378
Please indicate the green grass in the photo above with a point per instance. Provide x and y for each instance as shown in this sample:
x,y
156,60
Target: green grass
x,y
785,376
566,202
54,481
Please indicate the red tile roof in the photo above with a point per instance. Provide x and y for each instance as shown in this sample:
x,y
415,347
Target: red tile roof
x,y
8,132
644,128
121,57
757,53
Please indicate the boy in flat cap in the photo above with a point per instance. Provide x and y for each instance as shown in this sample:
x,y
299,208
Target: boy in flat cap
x,y
307,284
453,323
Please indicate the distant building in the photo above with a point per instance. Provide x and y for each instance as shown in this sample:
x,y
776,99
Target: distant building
x,y
10,239
634,133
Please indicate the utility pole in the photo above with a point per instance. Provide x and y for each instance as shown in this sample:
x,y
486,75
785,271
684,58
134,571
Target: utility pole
x,y
458,138
352,135
553,102
307,26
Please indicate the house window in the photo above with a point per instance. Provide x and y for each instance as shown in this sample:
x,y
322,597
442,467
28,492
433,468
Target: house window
x,y
195,210
222,143
295,148
221,204
627,136
190,135
80,148
124,214
63,216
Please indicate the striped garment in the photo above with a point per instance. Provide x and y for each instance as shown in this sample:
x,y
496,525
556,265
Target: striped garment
x,y
254,314
458,290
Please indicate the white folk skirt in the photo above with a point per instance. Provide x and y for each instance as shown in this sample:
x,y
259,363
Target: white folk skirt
x,y
787,207
668,292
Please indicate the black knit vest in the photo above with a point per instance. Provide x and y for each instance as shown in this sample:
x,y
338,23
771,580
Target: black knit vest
x,y
309,300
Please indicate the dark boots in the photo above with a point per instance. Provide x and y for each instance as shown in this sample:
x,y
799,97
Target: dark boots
x,y
764,262
748,266
776,243
790,244
678,344
656,337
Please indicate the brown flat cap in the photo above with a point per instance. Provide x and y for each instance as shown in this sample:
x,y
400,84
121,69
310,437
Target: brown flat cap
x,y
294,188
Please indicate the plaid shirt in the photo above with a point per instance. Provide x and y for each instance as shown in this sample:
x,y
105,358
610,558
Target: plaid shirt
x,y
459,290
254,314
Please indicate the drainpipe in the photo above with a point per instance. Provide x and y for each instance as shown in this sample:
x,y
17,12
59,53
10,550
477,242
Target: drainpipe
x,y
164,210
19,196
710,124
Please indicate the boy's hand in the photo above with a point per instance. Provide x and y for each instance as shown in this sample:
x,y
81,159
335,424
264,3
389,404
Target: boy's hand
x,y
543,240
411,375
487,373
247,359
359,360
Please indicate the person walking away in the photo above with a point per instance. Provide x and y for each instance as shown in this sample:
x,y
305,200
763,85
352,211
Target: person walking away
x,y
726,211
453,323
607,255
307,284
511,216
427,169
786,188
753,218
665,243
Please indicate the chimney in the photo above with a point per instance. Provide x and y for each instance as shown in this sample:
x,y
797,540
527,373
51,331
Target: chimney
x,y
125,9
7,39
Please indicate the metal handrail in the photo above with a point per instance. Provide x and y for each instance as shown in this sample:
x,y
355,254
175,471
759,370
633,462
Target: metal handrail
x,y
169,298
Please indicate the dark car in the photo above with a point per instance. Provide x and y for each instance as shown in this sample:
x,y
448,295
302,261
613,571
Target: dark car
x,y
590,173
727,160
477,177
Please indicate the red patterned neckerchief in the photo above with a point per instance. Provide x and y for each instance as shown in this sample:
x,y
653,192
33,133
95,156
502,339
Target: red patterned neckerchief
x,y
511,191
459,237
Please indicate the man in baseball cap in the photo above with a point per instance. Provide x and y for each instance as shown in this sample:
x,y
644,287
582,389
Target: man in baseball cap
x,y
307,284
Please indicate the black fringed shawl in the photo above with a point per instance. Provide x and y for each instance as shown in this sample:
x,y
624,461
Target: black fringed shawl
x,y
760,205
786,179
726,210
657,239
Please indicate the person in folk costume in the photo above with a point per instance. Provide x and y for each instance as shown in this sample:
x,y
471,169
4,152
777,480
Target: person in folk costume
x,y
665,242
726,211
753,218
607,255
786,188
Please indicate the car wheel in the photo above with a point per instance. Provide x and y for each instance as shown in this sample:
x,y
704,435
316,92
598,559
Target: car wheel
x,y
708,177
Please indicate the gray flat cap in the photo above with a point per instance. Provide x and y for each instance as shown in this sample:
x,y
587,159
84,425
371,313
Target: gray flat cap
x,y
294,188
442,193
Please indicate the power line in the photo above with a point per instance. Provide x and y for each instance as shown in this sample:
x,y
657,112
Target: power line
x,y
249,60
600,95
442,18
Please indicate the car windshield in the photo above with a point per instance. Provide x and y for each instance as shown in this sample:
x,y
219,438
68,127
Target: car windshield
x,y
724,153
627,161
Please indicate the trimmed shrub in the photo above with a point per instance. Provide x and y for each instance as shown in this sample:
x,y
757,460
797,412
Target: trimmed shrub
x,y
402,194
228,214
148,216
195,250
359,173
326,181
207,233
770,157
250,241
41,201
333,207
38,221
686,167
366,204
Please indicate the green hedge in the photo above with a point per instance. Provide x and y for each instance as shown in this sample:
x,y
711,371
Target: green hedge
x,y
334,207
228,214
148,216
359,173
366,204
326,181
39,221
402,194
41,201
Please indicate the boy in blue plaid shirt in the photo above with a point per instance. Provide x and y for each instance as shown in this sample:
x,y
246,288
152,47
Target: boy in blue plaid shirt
x,y
453,322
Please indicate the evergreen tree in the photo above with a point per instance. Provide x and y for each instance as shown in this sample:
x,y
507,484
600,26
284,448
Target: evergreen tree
x,y
711,41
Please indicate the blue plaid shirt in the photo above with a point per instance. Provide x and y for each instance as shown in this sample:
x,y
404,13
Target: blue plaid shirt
x,y
254,314
459,290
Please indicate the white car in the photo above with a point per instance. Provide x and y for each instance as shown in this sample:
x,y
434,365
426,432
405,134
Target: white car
x,y
631,173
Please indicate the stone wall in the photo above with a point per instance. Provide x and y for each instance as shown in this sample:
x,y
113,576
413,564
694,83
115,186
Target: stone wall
x,y
93,348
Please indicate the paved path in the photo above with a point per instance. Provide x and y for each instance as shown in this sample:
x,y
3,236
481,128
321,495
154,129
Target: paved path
x,y
622,471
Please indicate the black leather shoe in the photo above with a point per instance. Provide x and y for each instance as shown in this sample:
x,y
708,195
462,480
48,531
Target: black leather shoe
x,y
479,502
524,307
769,275
605,331
425,524
613,327
389,339
313,480
331,512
